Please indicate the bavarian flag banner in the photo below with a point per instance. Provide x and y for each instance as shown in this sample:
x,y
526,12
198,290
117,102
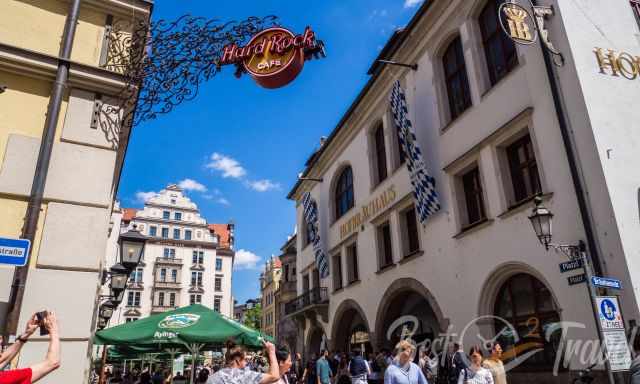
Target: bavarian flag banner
x,y
424,186
310,209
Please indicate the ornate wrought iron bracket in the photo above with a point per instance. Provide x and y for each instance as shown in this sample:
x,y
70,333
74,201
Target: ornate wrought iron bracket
x,y
573,252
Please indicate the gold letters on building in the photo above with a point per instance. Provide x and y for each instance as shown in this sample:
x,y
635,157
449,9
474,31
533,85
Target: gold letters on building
x,y
618,63
368,211
517,19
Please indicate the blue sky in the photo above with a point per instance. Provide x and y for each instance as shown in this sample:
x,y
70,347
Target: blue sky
x,y
237,147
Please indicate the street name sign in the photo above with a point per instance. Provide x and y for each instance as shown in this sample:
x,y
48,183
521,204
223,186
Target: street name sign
x,y
577,279
606,282
14,251
570,265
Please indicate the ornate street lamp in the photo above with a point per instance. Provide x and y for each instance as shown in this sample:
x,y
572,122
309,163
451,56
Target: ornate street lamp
x,y
106,310
119,277
102,323
541,219
116,298
131,248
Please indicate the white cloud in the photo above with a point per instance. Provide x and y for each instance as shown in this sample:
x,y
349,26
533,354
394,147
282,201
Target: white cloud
x,y
411,3
262,185
245,260
227,165
142,197
223,201
192,185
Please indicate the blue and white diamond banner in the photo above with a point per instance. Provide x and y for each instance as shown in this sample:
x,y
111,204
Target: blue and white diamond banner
x,y
310,210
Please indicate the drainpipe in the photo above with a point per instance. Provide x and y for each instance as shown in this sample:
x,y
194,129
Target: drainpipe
x,y
581,195
42,167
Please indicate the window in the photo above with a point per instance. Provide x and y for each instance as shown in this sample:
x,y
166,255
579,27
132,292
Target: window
x,y
169,253
176,233
456,81
136,276
177,215
163,274
166,215
522,301
473,196
218,264
218,284
410,235
216,303
344,192
174,275
130,319
195,299
133,299
161,299
635,4
352,262
196,278
201,257
172,299
499,49
153,230
187,234
380,153
165,233
524,169
194,257
336,263
385,251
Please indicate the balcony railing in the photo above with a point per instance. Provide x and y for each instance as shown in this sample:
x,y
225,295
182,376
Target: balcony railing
x,y
313,297
168,261
288,286
167,284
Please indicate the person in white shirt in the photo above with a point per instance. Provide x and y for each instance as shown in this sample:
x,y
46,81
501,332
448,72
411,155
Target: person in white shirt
x,y
475,373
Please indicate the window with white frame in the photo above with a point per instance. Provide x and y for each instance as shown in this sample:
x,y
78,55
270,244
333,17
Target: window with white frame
x,y
409,230
353,273
218,283
385,250
172,299
195,299
133,299
161,299
379,154
217,300
196,278
187,234
153,230
218,264
336,265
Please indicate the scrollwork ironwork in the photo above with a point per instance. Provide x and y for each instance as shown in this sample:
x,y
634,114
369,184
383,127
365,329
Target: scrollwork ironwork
x,y
165,62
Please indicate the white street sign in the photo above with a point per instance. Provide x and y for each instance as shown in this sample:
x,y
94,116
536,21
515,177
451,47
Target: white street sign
x,y
609,313
617,350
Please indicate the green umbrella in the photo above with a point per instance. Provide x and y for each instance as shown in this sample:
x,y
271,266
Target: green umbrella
x,y
186,326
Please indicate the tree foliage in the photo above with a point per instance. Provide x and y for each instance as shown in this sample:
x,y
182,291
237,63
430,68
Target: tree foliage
x,y
253,317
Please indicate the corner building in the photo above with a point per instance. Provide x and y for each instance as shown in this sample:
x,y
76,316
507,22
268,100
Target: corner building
x,y
68,246
186,261
484,114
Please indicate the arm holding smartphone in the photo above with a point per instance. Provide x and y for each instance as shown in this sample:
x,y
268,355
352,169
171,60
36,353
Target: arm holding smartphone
x,y
274,372
14,348
52,359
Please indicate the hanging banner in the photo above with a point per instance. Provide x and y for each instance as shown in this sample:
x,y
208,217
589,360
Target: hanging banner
x,y
310,211
424,186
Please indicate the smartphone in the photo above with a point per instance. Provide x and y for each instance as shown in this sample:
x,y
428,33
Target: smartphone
x,y
41,316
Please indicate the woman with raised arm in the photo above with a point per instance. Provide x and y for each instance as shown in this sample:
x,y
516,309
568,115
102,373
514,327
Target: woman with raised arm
x,y
237,372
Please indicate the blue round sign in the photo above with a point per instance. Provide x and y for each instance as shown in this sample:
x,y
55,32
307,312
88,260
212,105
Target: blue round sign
x,y
608,309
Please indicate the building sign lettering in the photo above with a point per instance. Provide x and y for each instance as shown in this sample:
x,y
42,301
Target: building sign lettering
x,y
518,20
275,56
618,63
368,211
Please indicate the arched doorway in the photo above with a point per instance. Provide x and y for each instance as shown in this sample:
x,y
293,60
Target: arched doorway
x,y
350,328
407,309
525,313
314,342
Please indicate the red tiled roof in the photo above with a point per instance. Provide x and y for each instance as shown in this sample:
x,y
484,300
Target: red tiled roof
x,y
221,230
128,214
277,263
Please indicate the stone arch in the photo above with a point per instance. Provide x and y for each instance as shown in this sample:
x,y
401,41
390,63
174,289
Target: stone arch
x,y
400,287
499,276
314,341
348,311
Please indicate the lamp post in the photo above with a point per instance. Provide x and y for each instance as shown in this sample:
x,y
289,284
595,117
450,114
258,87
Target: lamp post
x,y
131,248
542,221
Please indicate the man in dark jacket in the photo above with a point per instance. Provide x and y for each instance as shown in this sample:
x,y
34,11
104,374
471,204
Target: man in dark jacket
x,y
358,368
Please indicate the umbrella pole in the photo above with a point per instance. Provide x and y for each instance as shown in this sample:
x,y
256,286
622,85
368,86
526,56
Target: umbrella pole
x,y
103,367
195,351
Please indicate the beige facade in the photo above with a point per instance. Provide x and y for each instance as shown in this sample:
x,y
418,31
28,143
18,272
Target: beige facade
x,y
478,257
269,285
69,248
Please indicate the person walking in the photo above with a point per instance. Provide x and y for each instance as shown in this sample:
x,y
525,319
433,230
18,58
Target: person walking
x,y
381,362
427,366
459,362
203,376
309,374
475,373
323,370
284,364
359,369
403,370
495,366
39,370
634,370
236,371
374,375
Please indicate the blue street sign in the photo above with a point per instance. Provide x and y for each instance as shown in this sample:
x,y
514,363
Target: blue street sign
x,y
606,282
14,251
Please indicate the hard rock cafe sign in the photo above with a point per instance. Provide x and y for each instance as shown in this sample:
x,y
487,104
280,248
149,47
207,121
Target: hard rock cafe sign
x,y
275,56
523,24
